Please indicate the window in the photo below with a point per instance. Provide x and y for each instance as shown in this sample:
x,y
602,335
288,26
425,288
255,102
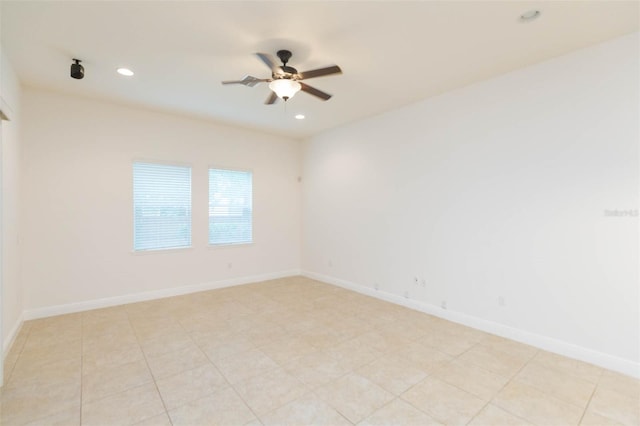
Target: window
x,y
161,206
230,201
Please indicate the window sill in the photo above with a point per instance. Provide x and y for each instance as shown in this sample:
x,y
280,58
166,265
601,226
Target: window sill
x,y
229,245
161,250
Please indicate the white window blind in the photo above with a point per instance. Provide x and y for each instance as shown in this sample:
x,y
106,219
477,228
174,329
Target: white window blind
x,y
161,206
230,207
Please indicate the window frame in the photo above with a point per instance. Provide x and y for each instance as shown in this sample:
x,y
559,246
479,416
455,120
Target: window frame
x,y
133,207
230,169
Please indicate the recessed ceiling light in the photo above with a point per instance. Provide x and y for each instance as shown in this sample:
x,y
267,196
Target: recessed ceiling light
x,y
299,116
125,71
529,15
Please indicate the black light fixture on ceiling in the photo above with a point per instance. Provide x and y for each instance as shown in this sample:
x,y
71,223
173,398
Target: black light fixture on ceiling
x,y
77,70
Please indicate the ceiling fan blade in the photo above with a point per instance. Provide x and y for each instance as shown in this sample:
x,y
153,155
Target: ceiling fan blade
x,y
269,61
271,99
247,81
315,92
319,72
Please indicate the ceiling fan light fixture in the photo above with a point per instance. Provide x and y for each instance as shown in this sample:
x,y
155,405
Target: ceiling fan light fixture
x,y
285,88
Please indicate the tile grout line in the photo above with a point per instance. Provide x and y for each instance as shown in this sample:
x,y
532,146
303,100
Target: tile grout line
x,y
335,408
586,407
153,378
509,382
230,386
457,358
335,380
18,356
428,376
395,398
557,398
309,389
432,376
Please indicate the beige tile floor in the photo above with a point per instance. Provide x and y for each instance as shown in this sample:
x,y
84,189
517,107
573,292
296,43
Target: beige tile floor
x,y
293,352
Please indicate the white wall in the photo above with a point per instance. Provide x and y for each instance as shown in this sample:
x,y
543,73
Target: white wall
x,y
78,211
495,190
12,302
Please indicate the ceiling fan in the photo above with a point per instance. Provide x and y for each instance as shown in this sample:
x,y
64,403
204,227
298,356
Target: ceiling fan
x,y
285,81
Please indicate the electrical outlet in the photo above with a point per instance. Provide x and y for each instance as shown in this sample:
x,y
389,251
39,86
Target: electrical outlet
x,y
423,282
501,302
444,304
406,294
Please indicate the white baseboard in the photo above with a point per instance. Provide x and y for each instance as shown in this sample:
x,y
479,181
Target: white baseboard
x,y
610,362
11,337
87,305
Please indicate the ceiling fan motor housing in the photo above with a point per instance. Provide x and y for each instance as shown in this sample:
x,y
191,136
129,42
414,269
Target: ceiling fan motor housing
x,y
288,71
284,56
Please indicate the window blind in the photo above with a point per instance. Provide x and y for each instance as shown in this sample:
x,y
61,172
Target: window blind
x,y
162,206
230,207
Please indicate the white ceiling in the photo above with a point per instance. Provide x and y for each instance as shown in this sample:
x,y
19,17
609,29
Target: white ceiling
x,y
392,53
